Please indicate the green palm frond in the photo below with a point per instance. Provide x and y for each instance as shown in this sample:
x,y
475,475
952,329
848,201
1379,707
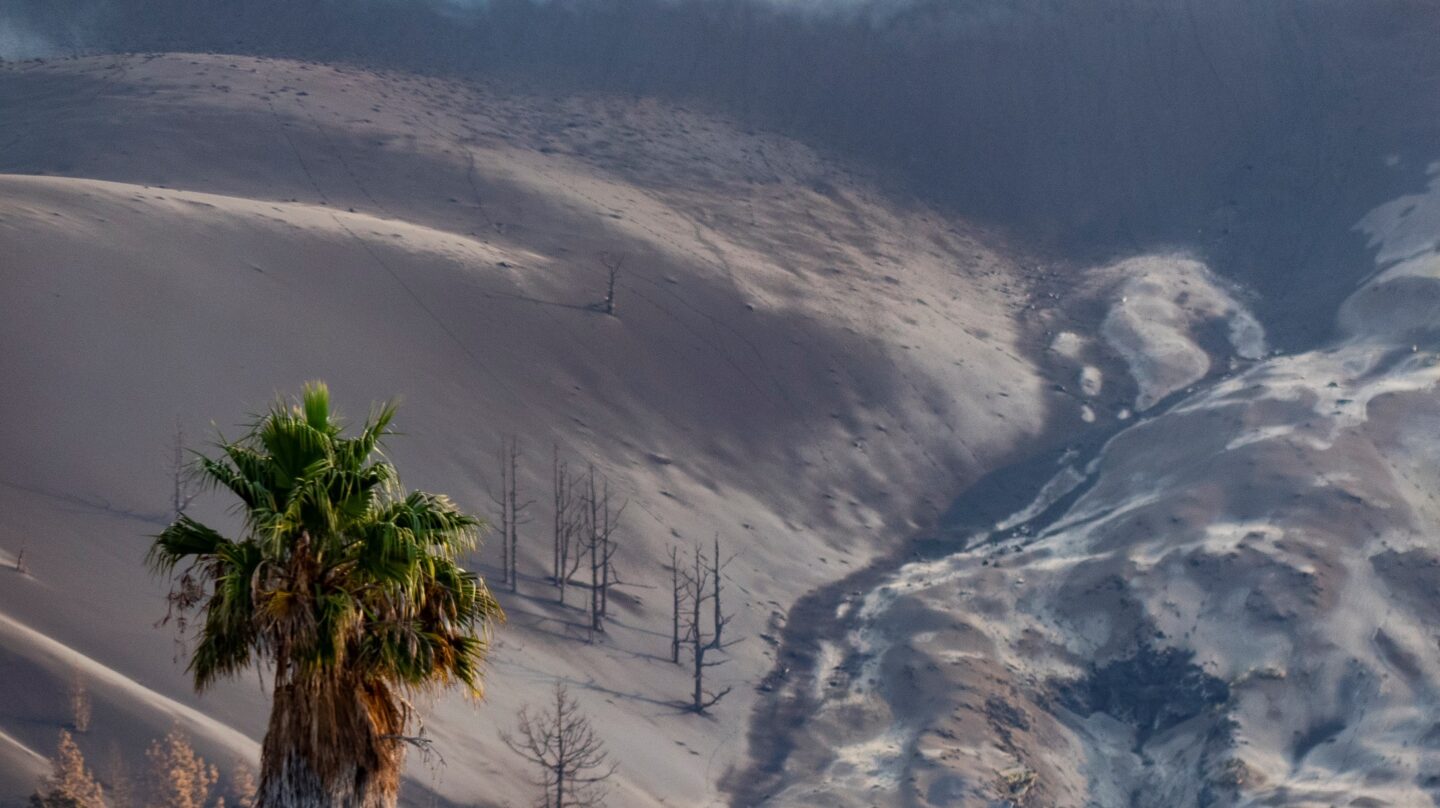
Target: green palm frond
x,y
357,451
338,570
184,539
315,399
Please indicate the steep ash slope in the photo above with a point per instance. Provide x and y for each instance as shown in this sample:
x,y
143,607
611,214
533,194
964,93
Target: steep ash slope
x,y
798,363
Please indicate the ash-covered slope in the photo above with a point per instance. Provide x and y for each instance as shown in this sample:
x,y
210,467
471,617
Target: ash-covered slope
x,y
1223,603
1232,602
797,362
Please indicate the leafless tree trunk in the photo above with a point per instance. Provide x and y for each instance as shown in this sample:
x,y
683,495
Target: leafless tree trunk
x,y
512,511
720,618
518,515
183,495
592,544
558,481
607,549
701,588
599,544
676,596
572,551
564,747
609,577
502,501
567,555
612,264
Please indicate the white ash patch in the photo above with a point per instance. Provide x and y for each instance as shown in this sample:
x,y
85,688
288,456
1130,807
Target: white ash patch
x,y
1069,344
1408,226
1160,302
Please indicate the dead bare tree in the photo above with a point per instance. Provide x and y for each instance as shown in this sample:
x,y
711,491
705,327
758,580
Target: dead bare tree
x,y
564,747
612,264
676,593
502,502
600,524
560,505
572,553
512,511
183,493
715,567
701,588
568,527
592,545
609,576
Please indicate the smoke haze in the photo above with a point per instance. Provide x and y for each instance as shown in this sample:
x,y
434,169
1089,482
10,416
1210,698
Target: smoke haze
x,y
18,43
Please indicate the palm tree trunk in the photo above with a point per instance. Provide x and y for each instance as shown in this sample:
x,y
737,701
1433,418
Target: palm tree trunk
x,y
331,744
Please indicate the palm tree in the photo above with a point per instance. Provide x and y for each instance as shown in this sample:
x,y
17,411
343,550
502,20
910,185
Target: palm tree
x,y
348,587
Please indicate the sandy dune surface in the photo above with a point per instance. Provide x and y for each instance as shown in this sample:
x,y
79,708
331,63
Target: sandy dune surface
x,y
797,362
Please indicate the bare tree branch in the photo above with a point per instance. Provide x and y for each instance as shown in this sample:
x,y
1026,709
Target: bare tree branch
x,y
698,588
184,492
676,597
612,264
567,526
572,762
502,502
512,511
